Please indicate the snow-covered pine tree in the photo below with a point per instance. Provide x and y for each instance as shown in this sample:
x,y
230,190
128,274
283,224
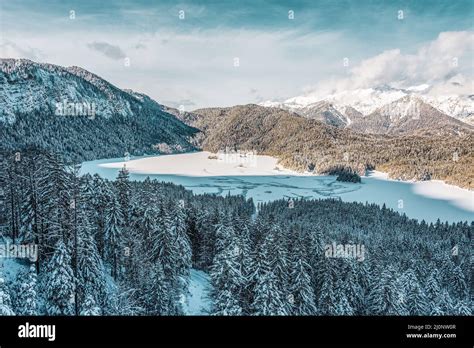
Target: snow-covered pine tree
x,y
91,280
244,258
26,300
203,243
59,283
113,234
269,299
102,191
182,244
463,308
5,299
458,284
342,305
55,200
387,295
353,290
173,249
89,307
226,274
433,292
122,183
31,216
327,300
302,299
155,297
415,297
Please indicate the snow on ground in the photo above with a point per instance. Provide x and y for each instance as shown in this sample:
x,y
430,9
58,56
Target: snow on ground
x,y
439,190
199,164
197,301
11,267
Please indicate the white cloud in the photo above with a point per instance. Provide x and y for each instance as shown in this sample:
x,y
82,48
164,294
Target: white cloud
x,y
198,65
445,63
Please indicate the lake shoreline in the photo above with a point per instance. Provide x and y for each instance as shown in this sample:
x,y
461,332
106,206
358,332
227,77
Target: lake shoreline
x,y
266,181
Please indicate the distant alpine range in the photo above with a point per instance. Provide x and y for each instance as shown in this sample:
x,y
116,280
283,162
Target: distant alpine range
x,y
385,109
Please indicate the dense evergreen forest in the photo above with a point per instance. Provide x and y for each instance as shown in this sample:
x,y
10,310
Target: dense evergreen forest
x,y
126,247
101,137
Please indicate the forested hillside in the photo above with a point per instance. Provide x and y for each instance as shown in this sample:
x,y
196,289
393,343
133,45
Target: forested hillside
x,y
81,116
123,247
306,144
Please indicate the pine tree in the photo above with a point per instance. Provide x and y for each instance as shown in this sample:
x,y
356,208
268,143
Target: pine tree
x,y
387,295
26,302
5,299
446,303
268,296
182,245
226,274
89,307
433,293
59,283
415,297
113,234
267,300
327,299
155,296
463,308
458,284
173,248
124,191
302,293
55,199
342,305
244,259
91,280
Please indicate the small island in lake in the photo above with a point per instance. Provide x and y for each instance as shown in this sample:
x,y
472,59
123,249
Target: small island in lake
x,y
348,176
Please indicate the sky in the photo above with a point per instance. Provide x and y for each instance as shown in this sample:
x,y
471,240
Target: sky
x,y
197,54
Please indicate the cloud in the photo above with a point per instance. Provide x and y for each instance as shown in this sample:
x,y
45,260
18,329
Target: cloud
x,y
443,63
12,50
110,51
197,66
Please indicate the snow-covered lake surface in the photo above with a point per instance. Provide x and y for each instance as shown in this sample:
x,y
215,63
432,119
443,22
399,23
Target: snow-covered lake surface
x,y
260,178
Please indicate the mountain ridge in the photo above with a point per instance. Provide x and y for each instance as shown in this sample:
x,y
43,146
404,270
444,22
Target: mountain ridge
x,y
44,105
368,100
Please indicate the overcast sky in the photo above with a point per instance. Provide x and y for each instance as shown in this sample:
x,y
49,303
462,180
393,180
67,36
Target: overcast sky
x,y
221,53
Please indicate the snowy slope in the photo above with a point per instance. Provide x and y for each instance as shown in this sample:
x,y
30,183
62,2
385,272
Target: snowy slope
x,y
410,115
28,86
197,301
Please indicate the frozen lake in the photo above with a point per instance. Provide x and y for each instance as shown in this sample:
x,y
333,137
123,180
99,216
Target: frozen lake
x,y
264,182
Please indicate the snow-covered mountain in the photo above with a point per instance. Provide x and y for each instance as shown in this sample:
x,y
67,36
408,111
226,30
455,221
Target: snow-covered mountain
x,y
410,114
81,115
28,87
368,100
